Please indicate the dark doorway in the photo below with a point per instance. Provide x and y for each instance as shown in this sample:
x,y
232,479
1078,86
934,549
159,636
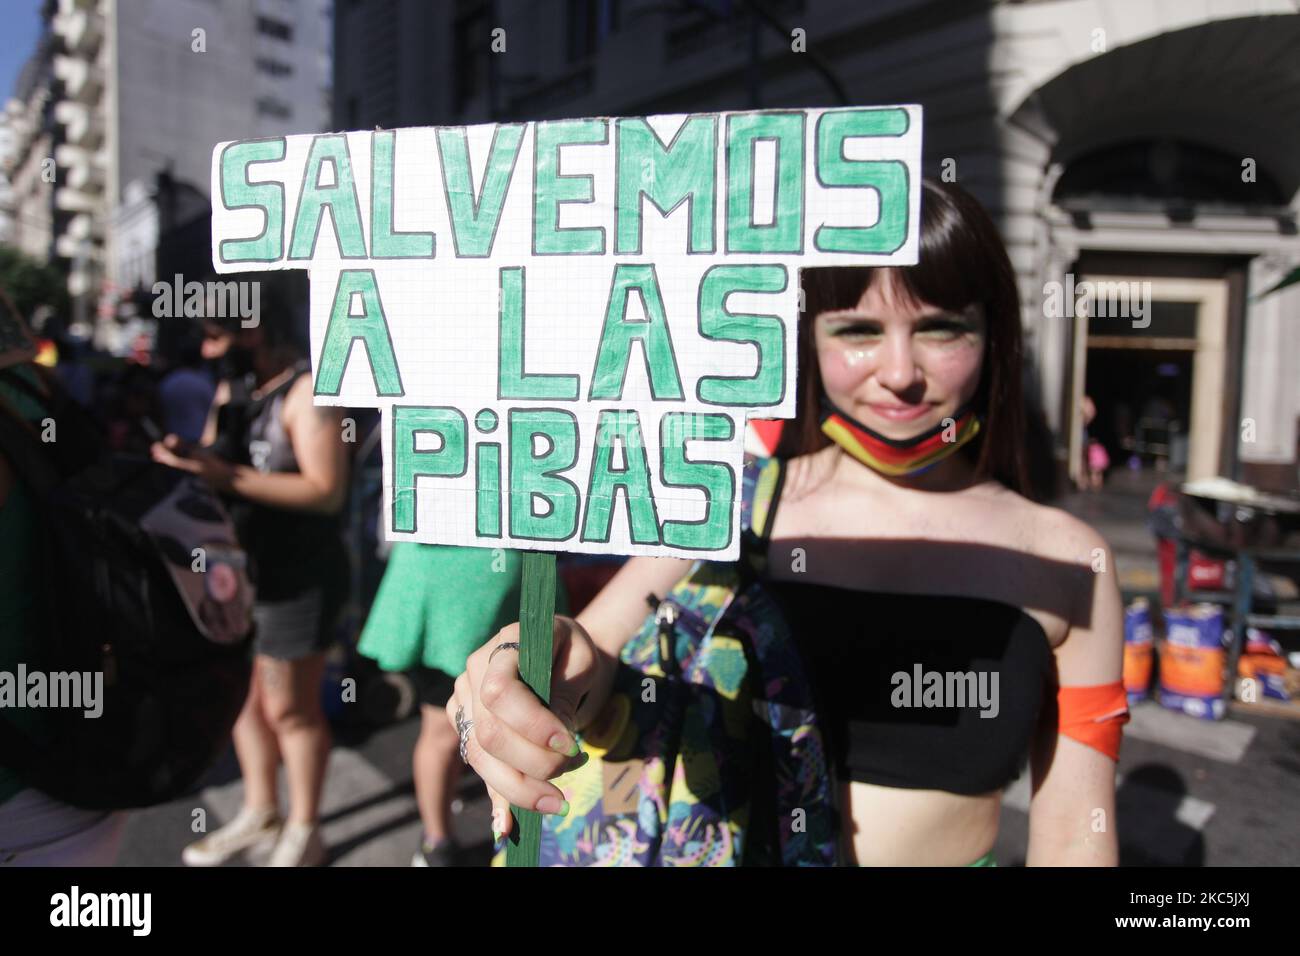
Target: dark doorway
x,y
1143,398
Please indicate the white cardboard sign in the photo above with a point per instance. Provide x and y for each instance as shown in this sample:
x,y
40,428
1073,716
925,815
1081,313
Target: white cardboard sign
x,y
566,323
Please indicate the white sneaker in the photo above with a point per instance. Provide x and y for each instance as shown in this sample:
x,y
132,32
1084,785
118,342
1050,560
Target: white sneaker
x,y
251,830
300,845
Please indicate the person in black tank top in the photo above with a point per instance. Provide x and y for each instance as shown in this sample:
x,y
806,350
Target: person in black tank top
x,y
294,550
281,464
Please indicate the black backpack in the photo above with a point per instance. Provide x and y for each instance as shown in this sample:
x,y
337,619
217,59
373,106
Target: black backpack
x,y
142,582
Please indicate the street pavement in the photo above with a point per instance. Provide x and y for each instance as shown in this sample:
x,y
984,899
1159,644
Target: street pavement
x,y
1191,792
368,810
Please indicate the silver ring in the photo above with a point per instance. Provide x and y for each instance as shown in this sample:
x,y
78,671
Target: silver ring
x,y
463,727
508,645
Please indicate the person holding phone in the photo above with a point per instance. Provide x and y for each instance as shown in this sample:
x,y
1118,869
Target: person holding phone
x,y
282,465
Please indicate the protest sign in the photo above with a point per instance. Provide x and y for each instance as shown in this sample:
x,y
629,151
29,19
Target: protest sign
x,y
566,323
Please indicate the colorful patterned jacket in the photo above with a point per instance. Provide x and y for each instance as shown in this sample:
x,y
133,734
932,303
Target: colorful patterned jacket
x,y
708,752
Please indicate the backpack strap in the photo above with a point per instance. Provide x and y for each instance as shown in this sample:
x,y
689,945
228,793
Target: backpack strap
x,y
300,368
761,492
255,405
13,378
761,480
22,448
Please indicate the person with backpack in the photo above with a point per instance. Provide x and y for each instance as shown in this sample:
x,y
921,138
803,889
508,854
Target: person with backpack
x,y
36,829
281,463
904,631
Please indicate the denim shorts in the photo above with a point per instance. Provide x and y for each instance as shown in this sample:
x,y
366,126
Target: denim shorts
x,y
296,628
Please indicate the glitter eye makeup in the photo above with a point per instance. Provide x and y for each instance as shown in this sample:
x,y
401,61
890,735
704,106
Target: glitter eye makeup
x,y
951,326
855,357
945,327
848,329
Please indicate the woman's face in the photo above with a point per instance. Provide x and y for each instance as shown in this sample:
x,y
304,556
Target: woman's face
x,y
216,341
898,367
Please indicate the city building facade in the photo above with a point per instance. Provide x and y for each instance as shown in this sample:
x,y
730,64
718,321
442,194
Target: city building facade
x,y
139,92
28,135
1144,151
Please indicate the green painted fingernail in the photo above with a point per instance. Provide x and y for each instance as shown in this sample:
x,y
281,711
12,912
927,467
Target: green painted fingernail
x,y
564,744
496,835
550,805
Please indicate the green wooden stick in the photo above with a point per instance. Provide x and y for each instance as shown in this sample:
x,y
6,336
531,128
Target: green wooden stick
x,y
536,630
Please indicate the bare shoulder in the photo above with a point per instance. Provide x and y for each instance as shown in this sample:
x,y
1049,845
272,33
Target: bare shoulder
x,y
1063,530
1090,654
300,392
300,401
1052,532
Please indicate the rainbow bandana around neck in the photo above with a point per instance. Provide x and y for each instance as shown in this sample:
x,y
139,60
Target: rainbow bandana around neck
x,y
897,457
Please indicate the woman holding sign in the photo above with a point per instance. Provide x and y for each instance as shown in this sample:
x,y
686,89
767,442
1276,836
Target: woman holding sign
x,y
950,629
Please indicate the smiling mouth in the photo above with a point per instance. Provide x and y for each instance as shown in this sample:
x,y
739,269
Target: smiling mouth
x,y
899,413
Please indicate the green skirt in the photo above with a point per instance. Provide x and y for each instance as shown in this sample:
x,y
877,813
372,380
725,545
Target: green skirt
x,y
438,604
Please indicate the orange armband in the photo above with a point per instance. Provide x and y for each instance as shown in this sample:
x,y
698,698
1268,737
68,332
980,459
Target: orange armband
x,y
1094,716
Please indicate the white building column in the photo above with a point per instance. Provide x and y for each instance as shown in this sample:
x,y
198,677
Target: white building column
x,y
1270,388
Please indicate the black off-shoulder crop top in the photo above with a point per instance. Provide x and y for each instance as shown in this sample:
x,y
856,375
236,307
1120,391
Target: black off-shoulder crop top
x,y
920,691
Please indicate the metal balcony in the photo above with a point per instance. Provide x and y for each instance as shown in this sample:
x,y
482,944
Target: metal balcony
x,y
75,200
81,30
83,125
82,79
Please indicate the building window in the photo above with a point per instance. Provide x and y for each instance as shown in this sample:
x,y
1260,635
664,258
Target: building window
x,y
273,67
266,106
271,27
590,22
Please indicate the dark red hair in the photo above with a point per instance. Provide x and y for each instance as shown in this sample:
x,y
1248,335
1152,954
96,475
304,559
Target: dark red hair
x,y
962,262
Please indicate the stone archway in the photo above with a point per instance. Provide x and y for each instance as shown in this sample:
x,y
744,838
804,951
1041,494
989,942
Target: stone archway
x,y
1224,81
